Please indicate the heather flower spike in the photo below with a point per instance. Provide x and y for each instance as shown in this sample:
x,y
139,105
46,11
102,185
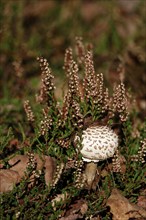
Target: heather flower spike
x,y
47,88
97,143
120,102
28,110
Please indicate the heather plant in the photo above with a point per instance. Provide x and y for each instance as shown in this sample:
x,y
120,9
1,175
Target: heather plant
x,y
54,126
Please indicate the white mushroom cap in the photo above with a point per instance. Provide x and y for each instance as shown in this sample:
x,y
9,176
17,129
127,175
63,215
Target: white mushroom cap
x,y
98,143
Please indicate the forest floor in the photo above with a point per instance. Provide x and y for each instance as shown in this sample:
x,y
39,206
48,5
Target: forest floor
x,y
115,30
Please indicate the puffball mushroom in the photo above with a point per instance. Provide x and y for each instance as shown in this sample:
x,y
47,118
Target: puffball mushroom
x,y
97,143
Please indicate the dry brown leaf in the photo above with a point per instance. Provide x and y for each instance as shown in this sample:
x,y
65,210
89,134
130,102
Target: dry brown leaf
x,y
71,217
79,207
141,201
19,163
50,168
83,208
122,209
8,178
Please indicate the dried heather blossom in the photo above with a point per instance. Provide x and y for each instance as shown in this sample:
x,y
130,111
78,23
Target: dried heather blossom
x,y
90,80
120,102
73,81
93,85
80,178
65,109
102,94
76,114
59,171
141,154
100,87
72,107
17,215
80,49
37,173
41,97
106,101
28,110
73,96
64,143
116,162
46,123
32,161
19,71
102,100
47,88
68,58
121,70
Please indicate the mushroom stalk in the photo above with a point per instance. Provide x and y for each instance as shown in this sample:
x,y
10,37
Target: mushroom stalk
x,y
90,173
